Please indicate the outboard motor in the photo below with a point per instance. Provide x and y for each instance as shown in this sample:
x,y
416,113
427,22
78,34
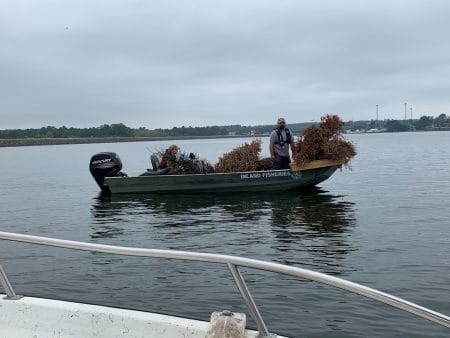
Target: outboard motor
x,y
105,165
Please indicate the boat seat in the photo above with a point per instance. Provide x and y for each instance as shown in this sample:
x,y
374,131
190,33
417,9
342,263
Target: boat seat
x,y
154,161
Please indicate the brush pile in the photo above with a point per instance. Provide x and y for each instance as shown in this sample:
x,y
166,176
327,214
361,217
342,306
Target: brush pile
x,y
242,158
324,142
181,163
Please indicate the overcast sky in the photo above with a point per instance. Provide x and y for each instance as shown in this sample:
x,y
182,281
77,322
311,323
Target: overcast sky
x,y
160,64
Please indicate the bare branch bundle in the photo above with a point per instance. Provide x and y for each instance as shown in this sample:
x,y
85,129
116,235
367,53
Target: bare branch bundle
x,y
324,142
242,158
180,163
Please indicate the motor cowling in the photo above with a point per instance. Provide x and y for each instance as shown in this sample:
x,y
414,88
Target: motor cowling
x,y
107,164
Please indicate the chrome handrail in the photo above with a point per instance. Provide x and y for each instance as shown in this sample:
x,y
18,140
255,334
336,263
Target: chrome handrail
x,y
233,262
4,281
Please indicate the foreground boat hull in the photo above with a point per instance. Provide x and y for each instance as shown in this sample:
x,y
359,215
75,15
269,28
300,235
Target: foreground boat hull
x,y
40,317
271,180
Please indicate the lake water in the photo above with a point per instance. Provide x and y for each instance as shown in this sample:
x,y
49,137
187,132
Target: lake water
x,y
384,224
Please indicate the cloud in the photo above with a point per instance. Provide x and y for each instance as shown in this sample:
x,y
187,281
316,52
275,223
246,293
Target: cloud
x,y
197,63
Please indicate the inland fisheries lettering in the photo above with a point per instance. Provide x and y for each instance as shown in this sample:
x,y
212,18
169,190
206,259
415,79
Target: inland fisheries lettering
x,y
276,174
246,176
268,174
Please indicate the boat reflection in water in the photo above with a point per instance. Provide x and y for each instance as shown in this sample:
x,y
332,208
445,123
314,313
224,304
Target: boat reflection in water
x,y
289,227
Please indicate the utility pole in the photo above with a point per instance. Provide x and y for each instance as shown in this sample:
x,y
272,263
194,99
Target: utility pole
x,y
377,115
412,127
405,111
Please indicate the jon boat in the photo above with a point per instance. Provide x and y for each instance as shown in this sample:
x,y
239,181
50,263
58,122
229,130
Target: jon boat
x,y
105,168
39,317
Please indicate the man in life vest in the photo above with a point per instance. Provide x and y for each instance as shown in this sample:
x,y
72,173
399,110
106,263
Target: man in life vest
x,y
280,142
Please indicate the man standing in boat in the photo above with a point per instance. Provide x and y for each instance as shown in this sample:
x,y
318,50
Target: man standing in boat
x,y
280,141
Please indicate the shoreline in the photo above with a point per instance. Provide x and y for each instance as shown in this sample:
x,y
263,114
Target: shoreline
x,y
26,142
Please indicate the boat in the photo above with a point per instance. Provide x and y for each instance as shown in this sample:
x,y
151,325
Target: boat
x,y
23,316
105,168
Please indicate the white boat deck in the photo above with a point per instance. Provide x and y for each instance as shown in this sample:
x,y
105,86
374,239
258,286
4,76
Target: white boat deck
x,y
45,318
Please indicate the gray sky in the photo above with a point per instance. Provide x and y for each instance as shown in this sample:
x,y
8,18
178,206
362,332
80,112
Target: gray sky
x,y
160,64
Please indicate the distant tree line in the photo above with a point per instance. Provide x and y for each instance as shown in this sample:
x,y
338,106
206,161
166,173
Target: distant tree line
x,y
121,130
442,122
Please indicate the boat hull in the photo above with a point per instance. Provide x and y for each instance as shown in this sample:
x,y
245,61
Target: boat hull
x,y
270,180
40,317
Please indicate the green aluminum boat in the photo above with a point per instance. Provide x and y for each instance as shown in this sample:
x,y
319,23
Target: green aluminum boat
x,y
105,167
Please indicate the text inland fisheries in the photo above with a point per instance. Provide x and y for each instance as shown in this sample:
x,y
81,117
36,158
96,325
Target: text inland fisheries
x,y
265,174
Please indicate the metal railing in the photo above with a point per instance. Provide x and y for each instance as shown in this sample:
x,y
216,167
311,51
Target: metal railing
x,y
233,263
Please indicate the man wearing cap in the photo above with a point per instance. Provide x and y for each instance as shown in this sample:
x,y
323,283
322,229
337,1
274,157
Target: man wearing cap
x,y
280,141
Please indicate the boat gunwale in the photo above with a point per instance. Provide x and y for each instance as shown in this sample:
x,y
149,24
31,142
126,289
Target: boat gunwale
x,y
318,164
192,175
